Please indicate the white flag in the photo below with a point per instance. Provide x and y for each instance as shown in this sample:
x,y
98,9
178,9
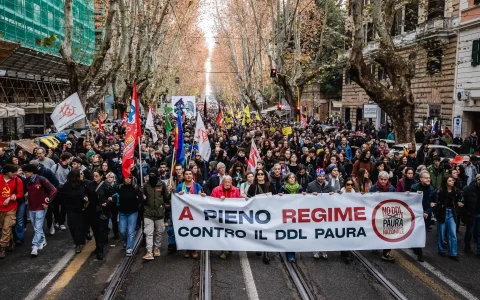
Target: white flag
x,y
150,126
68,112
253,158
201,137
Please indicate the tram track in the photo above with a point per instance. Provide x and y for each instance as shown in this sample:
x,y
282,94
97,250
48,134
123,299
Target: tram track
x,y
394,291
205,288
115,284
301,284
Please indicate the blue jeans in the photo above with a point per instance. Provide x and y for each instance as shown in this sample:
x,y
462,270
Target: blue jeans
x,y
449,228
171,231
37,217
20,225
471,229
127,223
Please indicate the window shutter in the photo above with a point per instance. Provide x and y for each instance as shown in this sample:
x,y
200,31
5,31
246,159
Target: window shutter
x,y
476,52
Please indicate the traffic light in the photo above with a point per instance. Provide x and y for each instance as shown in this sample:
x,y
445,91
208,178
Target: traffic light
x,y
273,73
298,108
279,107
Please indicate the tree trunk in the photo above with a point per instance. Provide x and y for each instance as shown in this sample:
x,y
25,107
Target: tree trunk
x,y
403,121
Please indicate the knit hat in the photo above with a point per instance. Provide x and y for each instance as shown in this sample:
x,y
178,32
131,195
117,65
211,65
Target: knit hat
x,y
319,172
331,167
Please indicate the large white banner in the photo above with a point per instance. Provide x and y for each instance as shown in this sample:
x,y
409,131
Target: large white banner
x,y
68,112
201,137
299,223
188,104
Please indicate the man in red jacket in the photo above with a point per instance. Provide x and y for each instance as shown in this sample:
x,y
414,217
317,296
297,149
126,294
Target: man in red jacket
x,y
11,188
40,195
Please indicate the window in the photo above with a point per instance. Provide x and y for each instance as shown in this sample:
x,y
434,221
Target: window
x,y
370,32
36,12
411,16
434,61
397,23
435,9
381,73
372,69
476,52
348,77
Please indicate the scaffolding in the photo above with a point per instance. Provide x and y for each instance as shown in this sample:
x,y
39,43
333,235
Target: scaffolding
x,y
39,25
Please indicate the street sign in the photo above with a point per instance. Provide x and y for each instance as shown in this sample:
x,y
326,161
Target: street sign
x,y
370,111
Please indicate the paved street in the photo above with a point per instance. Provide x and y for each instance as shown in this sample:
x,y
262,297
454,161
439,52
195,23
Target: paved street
x,y
175,277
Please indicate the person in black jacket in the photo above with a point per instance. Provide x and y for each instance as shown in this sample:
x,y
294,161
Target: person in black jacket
x,y
448,197
215,180
75,205
97,211
470,214
128,199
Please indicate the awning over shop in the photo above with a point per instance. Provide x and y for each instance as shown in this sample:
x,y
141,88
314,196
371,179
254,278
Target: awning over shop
x,y
7,111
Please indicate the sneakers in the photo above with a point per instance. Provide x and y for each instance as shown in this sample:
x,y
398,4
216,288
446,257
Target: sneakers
x,y
57,225
42,245
34,251
223,255
62,227
156,252
442,254
194,254
148,256
172,248
187,254
388,257
52,230
324,255
19,242
78,249
129,252
316,255
455,258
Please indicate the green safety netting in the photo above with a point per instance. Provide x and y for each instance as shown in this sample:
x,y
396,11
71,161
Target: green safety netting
x,y
39,25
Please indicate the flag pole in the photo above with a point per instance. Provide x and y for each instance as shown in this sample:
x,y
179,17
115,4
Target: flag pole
x,y
140,156
171,168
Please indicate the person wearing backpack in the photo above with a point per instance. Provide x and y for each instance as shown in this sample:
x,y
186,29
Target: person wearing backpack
x,y
61,170
128,199
40,194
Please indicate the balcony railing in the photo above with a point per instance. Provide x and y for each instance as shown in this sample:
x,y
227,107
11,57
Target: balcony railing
x,y
435,26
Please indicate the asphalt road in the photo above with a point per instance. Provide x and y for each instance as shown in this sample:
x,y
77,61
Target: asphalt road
x,y
240,276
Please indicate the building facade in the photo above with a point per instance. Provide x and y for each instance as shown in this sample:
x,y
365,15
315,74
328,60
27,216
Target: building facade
x,y
32,73
427,35
467,76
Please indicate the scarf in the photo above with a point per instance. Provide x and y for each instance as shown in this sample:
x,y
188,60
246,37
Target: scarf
x,y
383,188
191,190
292,188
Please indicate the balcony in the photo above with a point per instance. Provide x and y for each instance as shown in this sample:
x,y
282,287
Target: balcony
x,y
440,27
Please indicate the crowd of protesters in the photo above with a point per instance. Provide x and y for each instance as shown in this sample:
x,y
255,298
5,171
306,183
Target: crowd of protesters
x,y
79,186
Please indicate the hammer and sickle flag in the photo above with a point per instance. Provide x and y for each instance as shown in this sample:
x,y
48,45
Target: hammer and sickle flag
x,y
68,112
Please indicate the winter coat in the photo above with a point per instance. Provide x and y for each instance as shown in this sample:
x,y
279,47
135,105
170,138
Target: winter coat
x,y
470,198
441,208
219,192
316,187
436,176
156,198
429,194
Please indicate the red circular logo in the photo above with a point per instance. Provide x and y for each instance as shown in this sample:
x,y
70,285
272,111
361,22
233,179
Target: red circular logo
x,y
393,220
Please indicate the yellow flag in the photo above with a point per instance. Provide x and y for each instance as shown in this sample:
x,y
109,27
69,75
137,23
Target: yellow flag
x,y
239,115
243,120
246,110
257,116
272,129
287,130
227,120
230,112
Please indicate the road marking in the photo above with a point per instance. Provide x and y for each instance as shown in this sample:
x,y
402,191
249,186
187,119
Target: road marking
x,y
71,270
56,269
436,288
444,278
248,276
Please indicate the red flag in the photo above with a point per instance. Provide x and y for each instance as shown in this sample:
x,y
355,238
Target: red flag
x,y
100,127
253,157
220,120
124,119
133,132
303,122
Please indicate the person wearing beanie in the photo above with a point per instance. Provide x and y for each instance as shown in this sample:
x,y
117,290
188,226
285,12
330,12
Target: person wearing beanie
x,y
239,158
334,178
156,195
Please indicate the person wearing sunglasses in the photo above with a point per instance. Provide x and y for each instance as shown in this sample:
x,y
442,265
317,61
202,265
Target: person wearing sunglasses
x,y
261,185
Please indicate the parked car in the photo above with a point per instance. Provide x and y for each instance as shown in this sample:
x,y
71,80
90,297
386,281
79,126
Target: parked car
x,y
442,151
